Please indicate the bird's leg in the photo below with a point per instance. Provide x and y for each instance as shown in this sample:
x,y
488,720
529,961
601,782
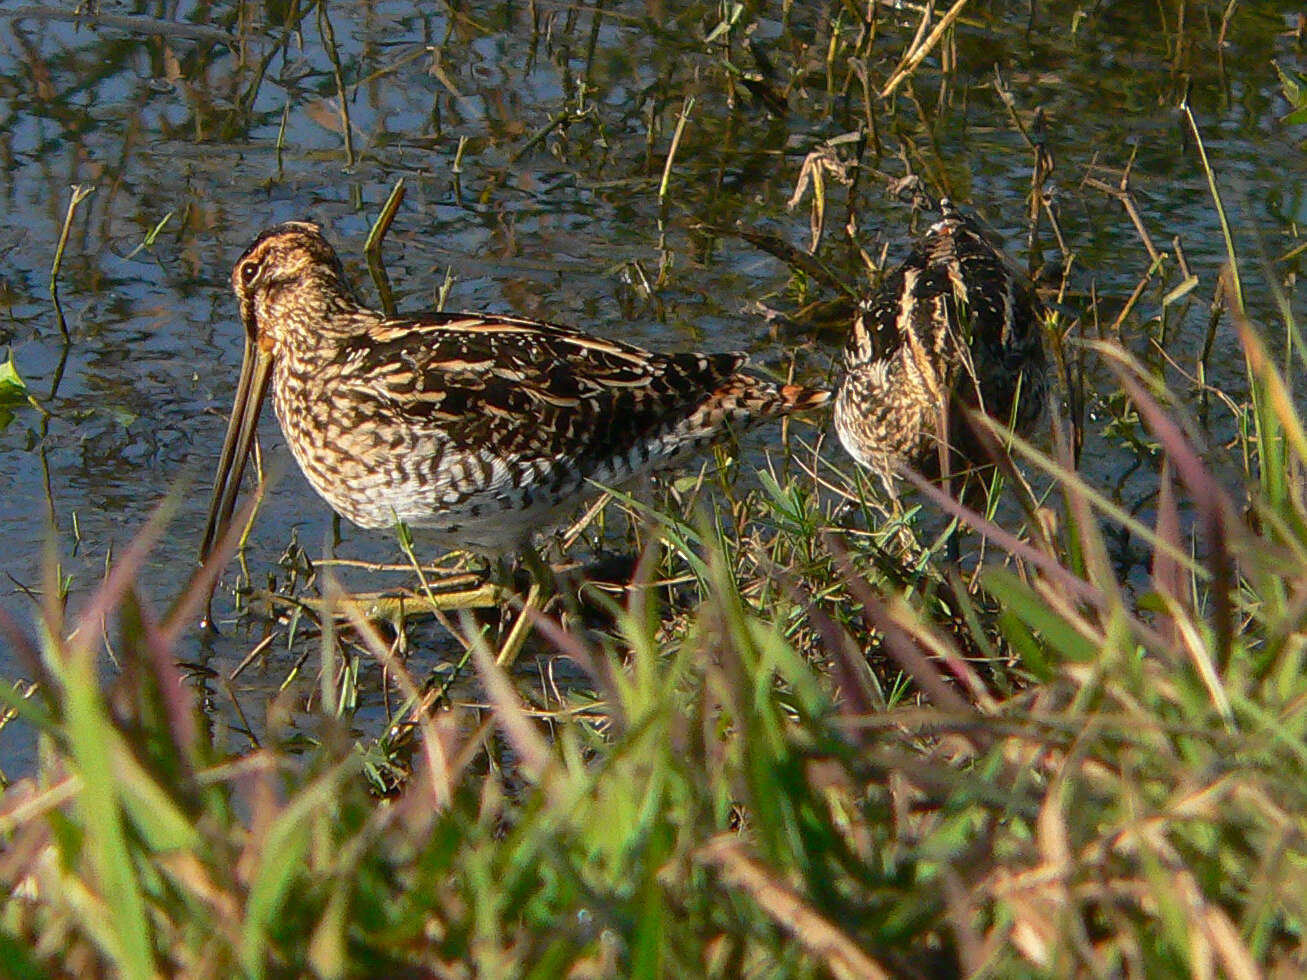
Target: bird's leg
x,y
542,576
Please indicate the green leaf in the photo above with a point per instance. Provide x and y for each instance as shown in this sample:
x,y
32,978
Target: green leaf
x,y
1295,91
729,21
93,740
1021,602
122,415
14,698
19,962
285,845
13,391
163,824
1294,85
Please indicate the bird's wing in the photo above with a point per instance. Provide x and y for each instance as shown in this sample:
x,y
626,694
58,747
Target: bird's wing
x,y
527,390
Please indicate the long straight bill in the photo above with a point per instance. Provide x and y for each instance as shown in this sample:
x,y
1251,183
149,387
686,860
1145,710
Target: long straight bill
x,y
256,370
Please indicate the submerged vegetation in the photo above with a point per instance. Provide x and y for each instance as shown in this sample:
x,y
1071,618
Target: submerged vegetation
x,y
1054,728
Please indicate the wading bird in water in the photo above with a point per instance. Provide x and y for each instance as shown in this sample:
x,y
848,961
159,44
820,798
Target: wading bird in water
x,y
954,325
478,428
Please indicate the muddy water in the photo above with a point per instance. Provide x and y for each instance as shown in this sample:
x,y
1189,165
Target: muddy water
x,y
210,121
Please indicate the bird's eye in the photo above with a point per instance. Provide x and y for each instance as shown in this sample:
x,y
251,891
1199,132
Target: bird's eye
x,y
248,272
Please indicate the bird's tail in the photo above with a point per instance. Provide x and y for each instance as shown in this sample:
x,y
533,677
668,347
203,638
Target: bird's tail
x,y
745,397
740,403
798,398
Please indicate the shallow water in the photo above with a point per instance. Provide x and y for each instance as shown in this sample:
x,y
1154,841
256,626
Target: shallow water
x,y
565,228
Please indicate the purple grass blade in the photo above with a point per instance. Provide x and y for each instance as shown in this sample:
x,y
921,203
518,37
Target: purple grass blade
x,y
1210,501
1168,577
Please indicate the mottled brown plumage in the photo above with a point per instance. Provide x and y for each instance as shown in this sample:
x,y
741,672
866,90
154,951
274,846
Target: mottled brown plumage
x,y
953,324
477,427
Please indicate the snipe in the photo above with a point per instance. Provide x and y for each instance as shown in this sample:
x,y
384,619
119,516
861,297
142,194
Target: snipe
x,y
954,324
478,427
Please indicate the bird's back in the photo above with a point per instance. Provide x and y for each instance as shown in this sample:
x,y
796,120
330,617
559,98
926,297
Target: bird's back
x,y
954,322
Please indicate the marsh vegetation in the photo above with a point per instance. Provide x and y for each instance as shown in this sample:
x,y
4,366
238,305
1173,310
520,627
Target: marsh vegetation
x,y
1052,730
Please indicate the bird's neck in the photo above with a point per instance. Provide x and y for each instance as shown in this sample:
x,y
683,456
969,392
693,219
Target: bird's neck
x,y
313,316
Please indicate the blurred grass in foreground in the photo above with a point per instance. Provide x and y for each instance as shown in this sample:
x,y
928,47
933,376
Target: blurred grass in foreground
x,y
738,794
828,753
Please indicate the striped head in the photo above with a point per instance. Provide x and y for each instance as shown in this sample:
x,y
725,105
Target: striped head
x,y
289,275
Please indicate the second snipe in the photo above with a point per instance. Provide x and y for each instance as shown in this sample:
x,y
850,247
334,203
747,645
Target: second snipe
x,y
480,428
